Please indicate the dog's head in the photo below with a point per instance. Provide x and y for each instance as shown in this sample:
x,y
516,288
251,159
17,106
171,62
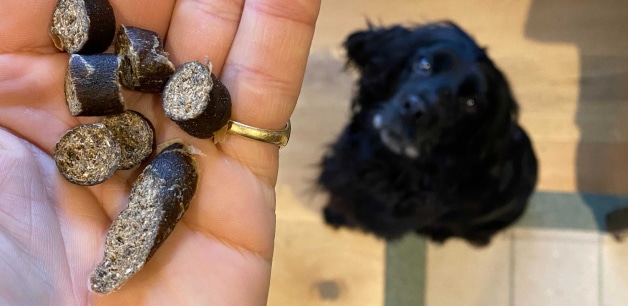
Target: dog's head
x,y
428,86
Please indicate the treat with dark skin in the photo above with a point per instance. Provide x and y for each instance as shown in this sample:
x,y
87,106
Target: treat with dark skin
x,y
158,199
135,135
145,66
83,26
197,100
87,154
433,145
92,87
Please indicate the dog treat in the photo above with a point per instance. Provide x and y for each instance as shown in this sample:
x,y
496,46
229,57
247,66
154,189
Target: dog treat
x,y
196,100
92,87
158,199
87,155
83,26
136,136
145,65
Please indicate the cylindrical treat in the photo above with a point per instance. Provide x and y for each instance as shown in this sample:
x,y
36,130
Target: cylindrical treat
x,y
158,199
92,87
136,136
87,154
145,65
196,100
83,26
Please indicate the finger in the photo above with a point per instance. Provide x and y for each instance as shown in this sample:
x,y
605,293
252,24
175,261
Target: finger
x,y
25,24
22,23
231,203
32,98
264,71
145,14
203,28
199,29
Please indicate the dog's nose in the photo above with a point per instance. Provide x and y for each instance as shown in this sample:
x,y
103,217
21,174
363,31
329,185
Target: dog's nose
x,y
414,106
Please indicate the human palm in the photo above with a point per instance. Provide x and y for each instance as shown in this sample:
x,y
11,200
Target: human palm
x,y
52,232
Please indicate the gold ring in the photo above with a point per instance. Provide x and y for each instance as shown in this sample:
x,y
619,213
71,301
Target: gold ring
x,y
278,137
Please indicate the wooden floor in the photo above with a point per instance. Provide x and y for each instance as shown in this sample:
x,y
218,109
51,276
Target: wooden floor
x,y
567,61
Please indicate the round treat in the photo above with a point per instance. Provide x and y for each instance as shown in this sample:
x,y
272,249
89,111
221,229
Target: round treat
x,y
145,65
92,87
158,199
136,136
87,154
196,100
83,26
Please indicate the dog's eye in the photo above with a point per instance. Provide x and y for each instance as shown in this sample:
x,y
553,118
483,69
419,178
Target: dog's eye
x,y
423,66
470,106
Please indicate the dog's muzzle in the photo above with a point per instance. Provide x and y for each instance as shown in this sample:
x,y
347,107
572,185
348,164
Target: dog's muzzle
x,y
393,139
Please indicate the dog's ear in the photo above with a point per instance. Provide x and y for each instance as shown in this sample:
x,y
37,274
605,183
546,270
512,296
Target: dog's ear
x,y
457,29
503,110
375,46
499,89
379,54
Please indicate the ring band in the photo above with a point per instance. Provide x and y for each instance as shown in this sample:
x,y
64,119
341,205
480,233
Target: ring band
x,y
277,137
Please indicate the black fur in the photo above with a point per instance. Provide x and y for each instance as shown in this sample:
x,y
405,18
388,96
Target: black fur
x,y
433,145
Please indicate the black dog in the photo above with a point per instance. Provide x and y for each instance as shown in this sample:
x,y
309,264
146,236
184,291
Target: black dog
x,y
433,145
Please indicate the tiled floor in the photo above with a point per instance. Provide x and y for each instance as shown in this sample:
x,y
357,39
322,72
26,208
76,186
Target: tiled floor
x,y
613,272
553,267
553,262
530,267
567,61
459,274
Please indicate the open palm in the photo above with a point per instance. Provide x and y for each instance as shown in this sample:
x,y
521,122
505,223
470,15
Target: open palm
x,y
52,232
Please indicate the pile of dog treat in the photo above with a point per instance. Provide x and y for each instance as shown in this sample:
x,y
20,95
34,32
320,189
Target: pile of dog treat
x,y
89,154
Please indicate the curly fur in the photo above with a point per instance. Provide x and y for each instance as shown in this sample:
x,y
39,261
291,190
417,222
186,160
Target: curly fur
x,y
433,145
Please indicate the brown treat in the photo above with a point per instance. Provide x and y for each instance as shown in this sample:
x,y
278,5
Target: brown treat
x,y
87,154
145,65
92,87
196,100
83,26
136,136
158,199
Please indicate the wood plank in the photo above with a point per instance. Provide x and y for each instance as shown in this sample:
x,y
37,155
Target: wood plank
x,y
316,265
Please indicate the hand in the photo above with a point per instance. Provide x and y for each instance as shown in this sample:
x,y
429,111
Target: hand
x,y
52,232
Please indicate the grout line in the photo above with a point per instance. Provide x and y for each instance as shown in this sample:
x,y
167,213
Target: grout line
x,y
406,272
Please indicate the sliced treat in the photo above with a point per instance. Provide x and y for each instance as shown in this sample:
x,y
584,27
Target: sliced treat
x,y
158,199
92,87
83,26
87,154
145,65
136,136
196,100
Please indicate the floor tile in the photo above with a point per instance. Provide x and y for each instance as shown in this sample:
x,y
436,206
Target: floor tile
x,y
555,267
462,275
614,274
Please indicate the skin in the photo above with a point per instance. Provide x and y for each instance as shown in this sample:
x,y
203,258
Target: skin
x,y
52,232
